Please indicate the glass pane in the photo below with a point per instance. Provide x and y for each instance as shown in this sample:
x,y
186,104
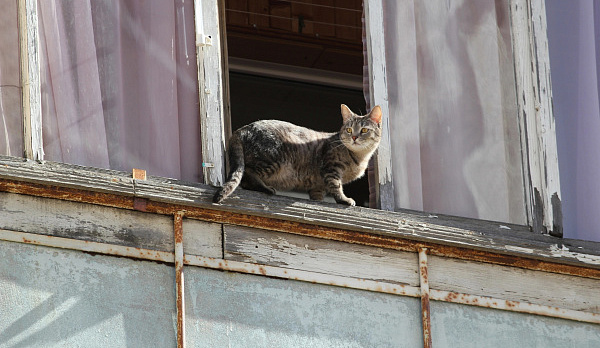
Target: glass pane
x,y
11,126
453,117
120,86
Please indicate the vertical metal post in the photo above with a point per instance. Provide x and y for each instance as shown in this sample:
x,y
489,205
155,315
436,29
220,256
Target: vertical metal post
x,y
425,313
178,234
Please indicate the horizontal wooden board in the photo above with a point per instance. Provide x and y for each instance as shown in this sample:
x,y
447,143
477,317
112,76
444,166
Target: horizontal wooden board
x,y
514,284
202,239
85,222
318,255
411,226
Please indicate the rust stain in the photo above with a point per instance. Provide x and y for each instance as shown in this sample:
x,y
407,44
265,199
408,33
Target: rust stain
x,y
305,229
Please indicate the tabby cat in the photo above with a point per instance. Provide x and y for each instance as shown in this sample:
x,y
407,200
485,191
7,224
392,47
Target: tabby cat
x,y
274,155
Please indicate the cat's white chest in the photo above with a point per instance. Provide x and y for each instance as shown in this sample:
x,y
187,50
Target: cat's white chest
x,y
355,172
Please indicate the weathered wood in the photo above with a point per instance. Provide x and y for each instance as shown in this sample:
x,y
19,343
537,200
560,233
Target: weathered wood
x,y
318,255
378,93
210,75
85,222
514,284
202,238
30,79
504,240
534,103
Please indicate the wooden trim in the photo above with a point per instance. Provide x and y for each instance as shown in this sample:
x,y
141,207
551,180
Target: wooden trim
x,y
536,119
30,79
209,43
461,238
378,92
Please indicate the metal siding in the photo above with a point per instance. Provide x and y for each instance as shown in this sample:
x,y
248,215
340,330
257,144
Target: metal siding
x,y
60,298
455,325
237,310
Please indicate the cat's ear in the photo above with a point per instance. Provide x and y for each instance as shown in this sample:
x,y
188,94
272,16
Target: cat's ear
x,y
375,115
346,113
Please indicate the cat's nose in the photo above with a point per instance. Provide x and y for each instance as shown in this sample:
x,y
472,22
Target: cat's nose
x,y
354,137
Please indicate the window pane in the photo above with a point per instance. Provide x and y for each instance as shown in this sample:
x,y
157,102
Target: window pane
x,y
11,126
453,117
119,85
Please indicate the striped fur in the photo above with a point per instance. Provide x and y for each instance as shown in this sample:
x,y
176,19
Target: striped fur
x,y
272,155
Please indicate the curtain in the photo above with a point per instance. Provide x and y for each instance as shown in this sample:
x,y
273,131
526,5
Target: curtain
x,y
119,85
574,45
11,128
453,117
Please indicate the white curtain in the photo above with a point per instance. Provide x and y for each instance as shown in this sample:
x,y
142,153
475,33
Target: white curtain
x,y
453,117
119,85
574,44
11,129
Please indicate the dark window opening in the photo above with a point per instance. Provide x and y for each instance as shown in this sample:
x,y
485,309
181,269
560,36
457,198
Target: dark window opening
x,y
296,62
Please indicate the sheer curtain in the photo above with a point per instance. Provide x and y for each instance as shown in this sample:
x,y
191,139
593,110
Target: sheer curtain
x,y
453,119
574,45
119,85
11,128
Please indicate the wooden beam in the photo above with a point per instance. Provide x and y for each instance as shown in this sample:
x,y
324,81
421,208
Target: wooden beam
x,y
536,118
30,79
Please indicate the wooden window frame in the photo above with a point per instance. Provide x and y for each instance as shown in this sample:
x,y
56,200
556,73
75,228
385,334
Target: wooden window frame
x,y
534,103
535,115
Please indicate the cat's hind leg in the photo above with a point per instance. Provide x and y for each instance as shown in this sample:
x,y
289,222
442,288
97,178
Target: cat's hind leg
x,y
316,194
251,181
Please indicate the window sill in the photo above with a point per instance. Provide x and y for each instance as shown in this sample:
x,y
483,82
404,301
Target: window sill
x,y
448,236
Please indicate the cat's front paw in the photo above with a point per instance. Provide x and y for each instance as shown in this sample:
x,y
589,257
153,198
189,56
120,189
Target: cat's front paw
x,y
347,201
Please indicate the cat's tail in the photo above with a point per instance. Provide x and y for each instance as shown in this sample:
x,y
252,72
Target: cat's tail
x,y
236,162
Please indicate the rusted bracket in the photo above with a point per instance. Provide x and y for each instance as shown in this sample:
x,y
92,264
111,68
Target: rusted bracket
x,y
178,234
425,310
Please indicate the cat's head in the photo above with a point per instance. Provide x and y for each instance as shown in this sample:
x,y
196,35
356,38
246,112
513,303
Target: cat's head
x,y
361,133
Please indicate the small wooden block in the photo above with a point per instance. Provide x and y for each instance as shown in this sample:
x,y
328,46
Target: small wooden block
x,y
139,174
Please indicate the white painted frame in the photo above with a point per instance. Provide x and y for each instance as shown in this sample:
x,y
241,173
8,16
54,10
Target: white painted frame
x,y
211,70
536,117
534,102
378,92
30,79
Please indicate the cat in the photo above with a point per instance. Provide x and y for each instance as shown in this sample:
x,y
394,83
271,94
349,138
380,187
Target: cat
x,y
271,155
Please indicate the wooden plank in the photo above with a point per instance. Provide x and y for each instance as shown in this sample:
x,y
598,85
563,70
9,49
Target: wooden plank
x,y
30,79
403,230
212,96
534,103
202,238
85,222
378,94
316,255
514,284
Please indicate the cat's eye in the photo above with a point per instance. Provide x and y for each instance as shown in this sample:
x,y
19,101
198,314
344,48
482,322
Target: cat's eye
x,y
364,130
349,130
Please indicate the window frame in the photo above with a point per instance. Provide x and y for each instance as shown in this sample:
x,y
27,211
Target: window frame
x,y
534,101
534,104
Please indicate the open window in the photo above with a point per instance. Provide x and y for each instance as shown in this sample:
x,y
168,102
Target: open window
x,y
145,112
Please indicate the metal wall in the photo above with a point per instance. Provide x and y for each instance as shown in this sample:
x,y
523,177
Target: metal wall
x,y
61,298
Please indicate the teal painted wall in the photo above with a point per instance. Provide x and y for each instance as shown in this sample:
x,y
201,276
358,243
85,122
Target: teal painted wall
x,y
455,325
60,298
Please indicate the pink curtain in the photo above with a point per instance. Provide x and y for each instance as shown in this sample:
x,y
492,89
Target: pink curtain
x,y
574,44
453,118
11,128
119,85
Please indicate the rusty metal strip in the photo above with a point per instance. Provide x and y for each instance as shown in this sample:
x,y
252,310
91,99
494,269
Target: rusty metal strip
x,y
514,306
425,308
179,279
306,276
273,224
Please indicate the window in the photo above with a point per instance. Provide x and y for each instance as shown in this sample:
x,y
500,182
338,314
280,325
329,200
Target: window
x,y
118,97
